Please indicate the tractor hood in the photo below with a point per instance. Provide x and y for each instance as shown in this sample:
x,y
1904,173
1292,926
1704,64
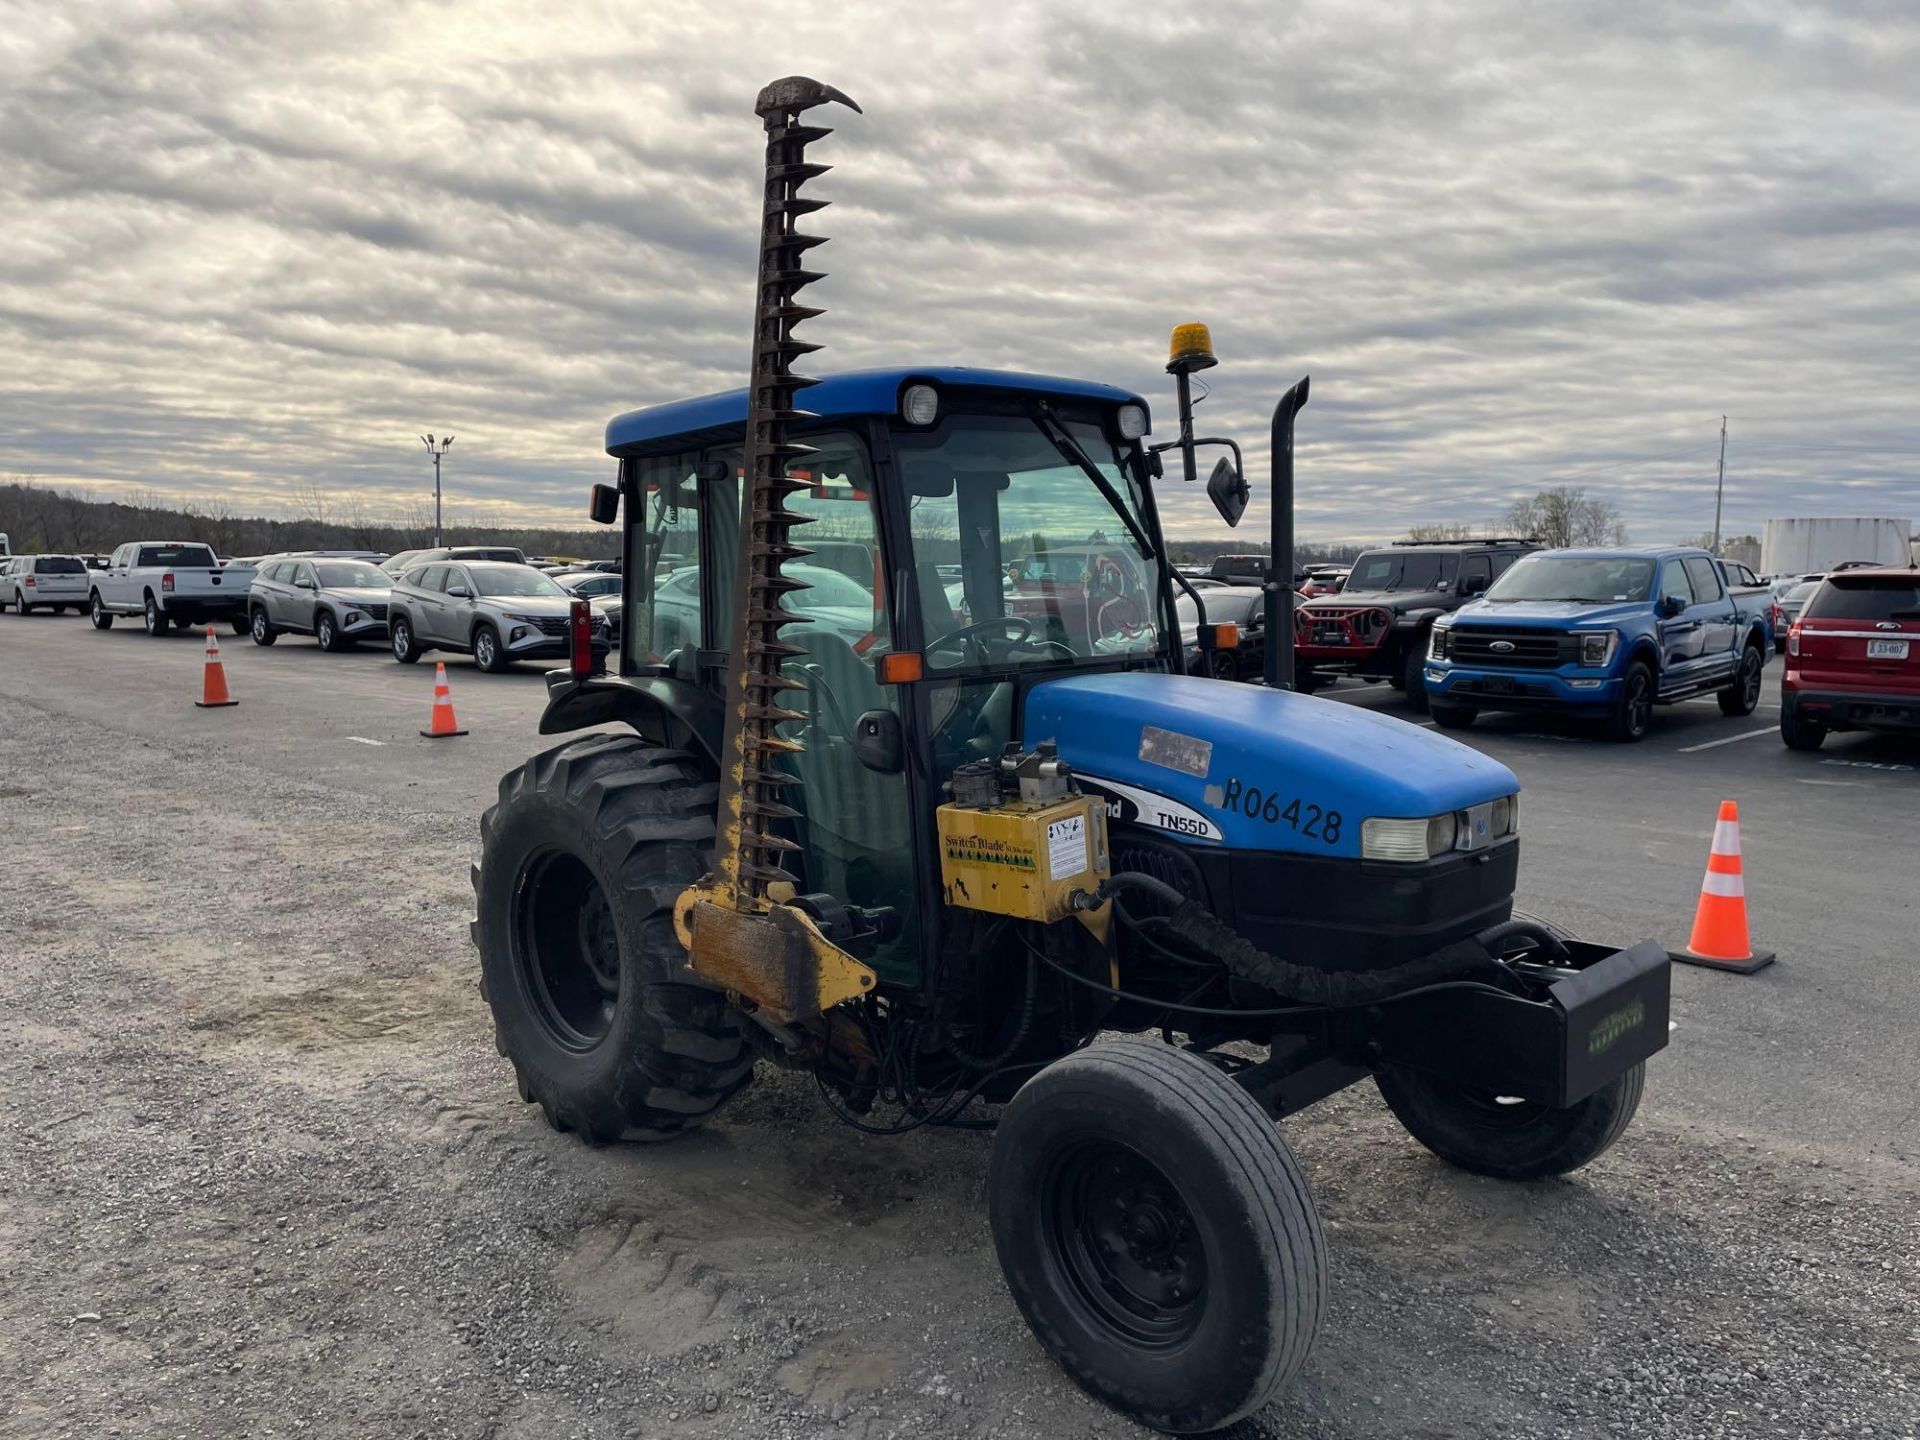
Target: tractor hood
x,y
1218,762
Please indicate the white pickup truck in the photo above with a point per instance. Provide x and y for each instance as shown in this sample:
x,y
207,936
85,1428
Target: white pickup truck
x,y
170,582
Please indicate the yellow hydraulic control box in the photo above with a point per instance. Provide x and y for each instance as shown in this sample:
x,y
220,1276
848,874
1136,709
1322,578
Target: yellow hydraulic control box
x,y
1023,858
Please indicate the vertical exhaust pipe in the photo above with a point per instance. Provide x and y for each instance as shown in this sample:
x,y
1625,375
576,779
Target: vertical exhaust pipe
x,y
1279,586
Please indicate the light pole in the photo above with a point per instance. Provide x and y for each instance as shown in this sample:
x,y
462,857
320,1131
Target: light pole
x,y
436,449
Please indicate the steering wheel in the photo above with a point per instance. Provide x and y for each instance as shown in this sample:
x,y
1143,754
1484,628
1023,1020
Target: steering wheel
x,y
1011,628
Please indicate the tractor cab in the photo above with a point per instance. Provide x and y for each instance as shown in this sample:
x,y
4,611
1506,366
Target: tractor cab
x,y
975,531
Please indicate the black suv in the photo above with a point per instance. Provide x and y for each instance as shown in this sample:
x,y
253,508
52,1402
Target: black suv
x,y
1376,628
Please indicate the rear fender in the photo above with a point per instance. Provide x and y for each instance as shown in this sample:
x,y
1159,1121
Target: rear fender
x,y
660,708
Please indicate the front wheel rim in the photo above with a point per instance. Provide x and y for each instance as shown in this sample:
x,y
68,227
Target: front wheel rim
x,y
1124,1244
566,950
1639,708
402,640
484,649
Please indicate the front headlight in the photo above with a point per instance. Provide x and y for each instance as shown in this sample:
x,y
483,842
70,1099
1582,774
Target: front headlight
x,y
1504,819
1408,841
1437,646
1596,647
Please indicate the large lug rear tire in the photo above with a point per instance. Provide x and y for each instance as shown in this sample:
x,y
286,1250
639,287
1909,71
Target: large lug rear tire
x,y
1742,697
581,861
1506,1137
1632,713
1158,1235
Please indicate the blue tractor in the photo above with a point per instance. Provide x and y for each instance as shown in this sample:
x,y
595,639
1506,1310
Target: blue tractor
x,y
918,800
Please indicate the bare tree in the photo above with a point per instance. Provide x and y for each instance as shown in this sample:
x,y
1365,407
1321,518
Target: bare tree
x,y
1451,530
1566,515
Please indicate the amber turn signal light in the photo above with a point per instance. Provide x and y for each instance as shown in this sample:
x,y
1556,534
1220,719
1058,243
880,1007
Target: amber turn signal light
x,y
900,667
1219,637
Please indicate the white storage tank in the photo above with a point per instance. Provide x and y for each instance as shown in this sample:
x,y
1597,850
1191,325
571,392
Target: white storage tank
x,y
1802,547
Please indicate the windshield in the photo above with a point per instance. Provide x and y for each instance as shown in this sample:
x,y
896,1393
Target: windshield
x,y
1884,597
1048,570
1593,578
335,575
1403,570
513,580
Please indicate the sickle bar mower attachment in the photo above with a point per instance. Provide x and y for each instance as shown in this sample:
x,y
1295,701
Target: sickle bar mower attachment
x,y
784,964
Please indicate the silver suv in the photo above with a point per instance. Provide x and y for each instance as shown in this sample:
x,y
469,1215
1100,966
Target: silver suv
x,y
43,582
497,613
335,601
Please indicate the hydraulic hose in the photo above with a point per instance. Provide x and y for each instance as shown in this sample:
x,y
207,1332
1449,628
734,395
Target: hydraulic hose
x,y
1309,984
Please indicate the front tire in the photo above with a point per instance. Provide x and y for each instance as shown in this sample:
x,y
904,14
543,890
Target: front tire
x,y
262,628
1743,696
1158,1234
326,632
1413,676
1633,711
581,861
1452,717
488,653
1502,1136
1222,665
101,616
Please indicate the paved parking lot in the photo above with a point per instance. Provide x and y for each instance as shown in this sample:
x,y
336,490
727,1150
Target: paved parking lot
x,y
262,1173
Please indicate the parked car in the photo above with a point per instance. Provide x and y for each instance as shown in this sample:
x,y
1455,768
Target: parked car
x,y
1238,569
1240,605
338,602
1853,657
587,584
1324,580
175,582
497,612
43,582
1786,608
407,559
1377,626
1605,634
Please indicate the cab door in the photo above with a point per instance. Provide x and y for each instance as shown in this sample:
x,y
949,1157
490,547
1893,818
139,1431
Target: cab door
x,y
1714,609
1680,633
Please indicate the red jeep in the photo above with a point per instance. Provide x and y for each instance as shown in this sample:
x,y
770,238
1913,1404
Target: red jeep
x,y
1853,658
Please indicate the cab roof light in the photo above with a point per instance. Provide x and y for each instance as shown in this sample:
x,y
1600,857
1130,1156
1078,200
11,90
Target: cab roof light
x,y
1131,422
919,404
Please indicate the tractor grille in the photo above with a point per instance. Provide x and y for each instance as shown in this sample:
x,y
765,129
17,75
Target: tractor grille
x,y
1527,649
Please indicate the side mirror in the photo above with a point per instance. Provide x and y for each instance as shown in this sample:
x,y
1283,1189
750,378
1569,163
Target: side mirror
x,y
1228,491
1671,605
878,743
459,592
603,504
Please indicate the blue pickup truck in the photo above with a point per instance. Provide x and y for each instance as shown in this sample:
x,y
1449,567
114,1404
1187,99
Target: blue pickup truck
x,y
1604,634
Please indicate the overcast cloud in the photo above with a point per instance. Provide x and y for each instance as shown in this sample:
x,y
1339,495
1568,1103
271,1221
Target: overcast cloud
x,y
248,246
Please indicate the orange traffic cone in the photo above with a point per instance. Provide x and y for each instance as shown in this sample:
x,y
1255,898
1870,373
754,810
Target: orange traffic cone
x,y
213,684
1720,938
444,726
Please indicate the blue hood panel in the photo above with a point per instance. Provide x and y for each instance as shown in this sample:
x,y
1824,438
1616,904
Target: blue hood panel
x,y
1252,768
1550,613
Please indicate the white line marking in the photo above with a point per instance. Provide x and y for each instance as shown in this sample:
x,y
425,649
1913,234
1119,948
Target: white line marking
x,y
363,740
1750,735
1837,784
1426,722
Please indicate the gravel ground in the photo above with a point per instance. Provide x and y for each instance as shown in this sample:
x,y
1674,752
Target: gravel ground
x,y
263,1175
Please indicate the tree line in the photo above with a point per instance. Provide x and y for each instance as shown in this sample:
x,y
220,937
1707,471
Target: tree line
x,y
40,519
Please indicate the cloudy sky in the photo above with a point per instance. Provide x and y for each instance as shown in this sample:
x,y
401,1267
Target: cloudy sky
x,y
252,246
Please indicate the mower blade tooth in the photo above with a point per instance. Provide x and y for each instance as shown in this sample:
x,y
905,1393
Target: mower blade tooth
x,y
804,205
796,172
796,242
805,134
789,414
791,280
794,314
771,810
798,382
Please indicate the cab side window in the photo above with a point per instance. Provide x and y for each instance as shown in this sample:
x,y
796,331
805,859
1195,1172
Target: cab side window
x,y
1674,583
1706,581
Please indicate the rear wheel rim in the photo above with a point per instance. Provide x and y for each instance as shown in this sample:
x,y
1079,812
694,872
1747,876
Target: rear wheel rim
x,y
1124,1244
567,951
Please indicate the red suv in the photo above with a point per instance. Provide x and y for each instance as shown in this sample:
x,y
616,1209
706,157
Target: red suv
x,y
1853,658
